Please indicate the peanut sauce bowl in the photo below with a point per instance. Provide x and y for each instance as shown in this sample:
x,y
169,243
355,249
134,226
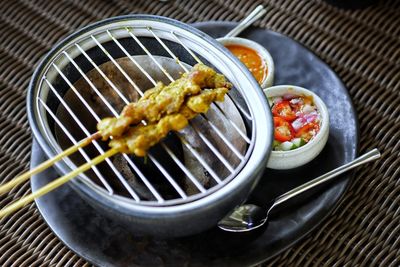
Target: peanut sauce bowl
x,y
283,160
265,57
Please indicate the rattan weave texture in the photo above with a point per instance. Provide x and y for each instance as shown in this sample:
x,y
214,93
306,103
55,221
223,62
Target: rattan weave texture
x,y
362,46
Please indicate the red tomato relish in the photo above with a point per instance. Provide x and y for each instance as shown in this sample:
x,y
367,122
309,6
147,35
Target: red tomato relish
x,y
296,121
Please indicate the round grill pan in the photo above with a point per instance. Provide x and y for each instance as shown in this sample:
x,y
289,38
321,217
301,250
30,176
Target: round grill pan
x,y
192,178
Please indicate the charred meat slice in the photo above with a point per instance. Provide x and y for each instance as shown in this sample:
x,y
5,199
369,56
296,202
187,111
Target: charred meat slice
x,y
138,139
163,100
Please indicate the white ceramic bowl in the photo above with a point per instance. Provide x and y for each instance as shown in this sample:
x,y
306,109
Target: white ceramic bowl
x,y
265,55
282,160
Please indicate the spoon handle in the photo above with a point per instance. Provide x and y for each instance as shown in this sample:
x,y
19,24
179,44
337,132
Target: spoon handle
x,y
250,19
367,157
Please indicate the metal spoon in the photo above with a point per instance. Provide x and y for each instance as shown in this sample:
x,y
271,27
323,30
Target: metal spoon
x,y
250,19
249,217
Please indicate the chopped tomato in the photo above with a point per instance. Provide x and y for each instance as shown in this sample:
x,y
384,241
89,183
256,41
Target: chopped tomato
x,y
283,130
284,110
307,131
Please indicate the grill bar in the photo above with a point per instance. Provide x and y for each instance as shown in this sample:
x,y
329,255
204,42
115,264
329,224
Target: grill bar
x,y
214,149
97,118
242,134
200,159
131,58
222,136
244,112
83,153
150,55
95,143
168,176
111,108
119,68
193,179
186,48
168,50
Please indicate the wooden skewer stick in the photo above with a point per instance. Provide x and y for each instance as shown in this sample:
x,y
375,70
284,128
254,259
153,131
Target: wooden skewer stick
x,y
48,163
56,183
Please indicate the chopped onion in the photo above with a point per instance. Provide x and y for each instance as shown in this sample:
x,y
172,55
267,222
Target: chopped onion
x,y
310,117
277,100
295,101
289,96
308,109
298,123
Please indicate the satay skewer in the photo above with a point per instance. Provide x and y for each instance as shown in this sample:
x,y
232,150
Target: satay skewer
x,y
56,183
48,163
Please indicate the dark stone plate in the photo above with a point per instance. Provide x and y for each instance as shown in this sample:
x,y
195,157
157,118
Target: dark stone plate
x,y
105,243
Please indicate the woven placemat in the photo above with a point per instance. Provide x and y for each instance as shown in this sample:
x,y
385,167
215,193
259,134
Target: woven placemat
x,y
362,46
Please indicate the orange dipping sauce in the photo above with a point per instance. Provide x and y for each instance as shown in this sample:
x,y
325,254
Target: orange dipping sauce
x,y
251,59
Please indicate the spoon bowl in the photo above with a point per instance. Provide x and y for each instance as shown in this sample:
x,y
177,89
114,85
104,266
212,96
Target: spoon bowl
x,y
244,218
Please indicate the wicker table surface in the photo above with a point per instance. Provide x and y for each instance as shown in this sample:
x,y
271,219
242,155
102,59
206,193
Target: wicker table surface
x,y
362,46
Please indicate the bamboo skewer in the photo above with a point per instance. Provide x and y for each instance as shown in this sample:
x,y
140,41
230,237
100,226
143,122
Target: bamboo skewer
x,y
56,183
48,163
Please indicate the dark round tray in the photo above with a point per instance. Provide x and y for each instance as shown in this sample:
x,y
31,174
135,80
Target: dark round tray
x,y
105,243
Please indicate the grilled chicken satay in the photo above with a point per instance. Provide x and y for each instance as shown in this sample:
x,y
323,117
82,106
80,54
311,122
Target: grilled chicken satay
x,y
163,100
138,139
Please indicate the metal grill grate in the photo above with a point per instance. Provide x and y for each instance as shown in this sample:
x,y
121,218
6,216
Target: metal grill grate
x,y
218,143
